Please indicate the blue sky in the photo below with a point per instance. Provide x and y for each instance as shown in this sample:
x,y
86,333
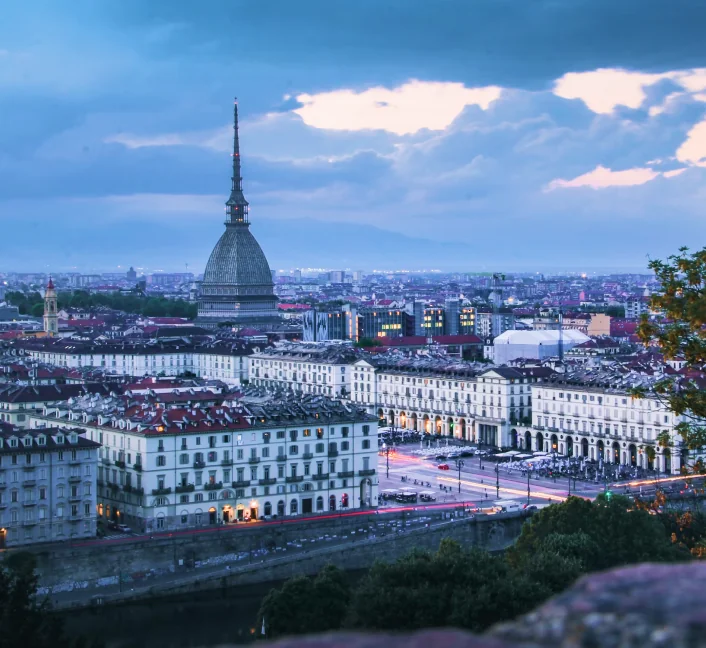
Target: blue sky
x,y
456,134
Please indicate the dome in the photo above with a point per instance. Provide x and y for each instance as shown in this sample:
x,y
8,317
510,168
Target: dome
x,y
238,259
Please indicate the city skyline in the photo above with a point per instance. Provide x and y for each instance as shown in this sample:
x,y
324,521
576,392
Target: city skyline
x,y
467,149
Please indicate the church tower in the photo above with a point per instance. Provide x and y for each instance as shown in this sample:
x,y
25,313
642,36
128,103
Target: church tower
x,y
51,318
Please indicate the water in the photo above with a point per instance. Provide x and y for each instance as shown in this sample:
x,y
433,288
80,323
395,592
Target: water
x,y
209,618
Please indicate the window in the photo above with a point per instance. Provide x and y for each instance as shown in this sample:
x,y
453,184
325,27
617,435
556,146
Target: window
x,y
293,450
345,445
280,434
319,447
306,433
161,460
366,430
293,435
42,493
213,456
184,458
366,444
344,432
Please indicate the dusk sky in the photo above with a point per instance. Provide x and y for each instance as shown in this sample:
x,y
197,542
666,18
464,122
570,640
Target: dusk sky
x,y
453,134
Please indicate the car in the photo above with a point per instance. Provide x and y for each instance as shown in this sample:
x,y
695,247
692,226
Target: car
x,y
123,528
443,466
529,507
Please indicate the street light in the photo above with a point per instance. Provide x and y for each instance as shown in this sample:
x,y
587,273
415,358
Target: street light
x,y
497,481
459,465
528,485
387,453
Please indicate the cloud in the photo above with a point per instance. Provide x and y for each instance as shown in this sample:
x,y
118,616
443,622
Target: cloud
x,y
404,110
601,178
693,150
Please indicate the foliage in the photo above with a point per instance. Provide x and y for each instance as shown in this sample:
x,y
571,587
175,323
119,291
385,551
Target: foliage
x,y
25,621
33,303
452,587
306,605
682,334
617,533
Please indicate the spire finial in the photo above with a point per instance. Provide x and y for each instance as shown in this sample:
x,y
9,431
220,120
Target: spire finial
x,y
237,206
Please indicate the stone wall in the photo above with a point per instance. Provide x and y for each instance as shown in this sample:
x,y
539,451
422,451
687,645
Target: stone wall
x,y
359,541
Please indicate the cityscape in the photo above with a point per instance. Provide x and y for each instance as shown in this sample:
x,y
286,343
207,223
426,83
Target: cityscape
x,y
419,400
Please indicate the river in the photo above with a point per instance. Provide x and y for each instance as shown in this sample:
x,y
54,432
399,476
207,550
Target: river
x,y
209,618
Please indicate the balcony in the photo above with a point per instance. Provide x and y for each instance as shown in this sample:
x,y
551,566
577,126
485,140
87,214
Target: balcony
x,y
347,473
254,460
74,478
199,464
74,498
226,462
3,485
320,476
135,490
333,453
27,503
537,427
213,486
366,473
267,482
105,461
113,486
294,478
281,458
161,491
137,467
28,483
185,488
308,455
241,484
120,464
76,462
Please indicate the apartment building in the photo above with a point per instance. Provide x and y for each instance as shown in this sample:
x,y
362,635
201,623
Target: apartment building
x,y
258,456
595,416
47,485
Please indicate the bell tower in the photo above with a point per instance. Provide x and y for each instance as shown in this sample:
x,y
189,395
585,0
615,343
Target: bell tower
x,y
51,318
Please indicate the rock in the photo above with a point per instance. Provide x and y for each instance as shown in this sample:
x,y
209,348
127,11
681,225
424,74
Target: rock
x,y
647,606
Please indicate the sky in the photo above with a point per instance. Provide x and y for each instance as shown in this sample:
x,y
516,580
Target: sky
x,y
455,134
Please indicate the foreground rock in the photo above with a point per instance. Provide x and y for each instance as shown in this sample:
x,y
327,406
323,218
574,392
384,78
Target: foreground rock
x,y
647,606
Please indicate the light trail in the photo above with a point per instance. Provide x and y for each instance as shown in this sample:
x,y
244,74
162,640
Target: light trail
x,y
505,489
645,482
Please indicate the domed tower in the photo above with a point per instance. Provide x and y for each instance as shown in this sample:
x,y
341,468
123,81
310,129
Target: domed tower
x,y
237,285
51,317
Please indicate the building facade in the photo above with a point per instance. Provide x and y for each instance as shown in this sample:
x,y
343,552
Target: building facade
x,y
51,318
258,457
47,485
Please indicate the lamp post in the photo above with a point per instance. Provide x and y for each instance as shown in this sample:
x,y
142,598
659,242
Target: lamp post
x,y
387,456
528,486
459,465
497,480
480,445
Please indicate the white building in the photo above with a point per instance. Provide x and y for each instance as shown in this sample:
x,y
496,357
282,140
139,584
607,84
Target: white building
x,y
47,485
534,345
260,456
310,368
603,423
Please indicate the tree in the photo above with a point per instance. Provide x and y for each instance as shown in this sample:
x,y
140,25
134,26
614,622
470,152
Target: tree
x,y
619,533
452,587
306,605
366,342
24,619
682,334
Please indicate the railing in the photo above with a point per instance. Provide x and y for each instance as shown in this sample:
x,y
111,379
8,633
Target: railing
x,y
226,462
74,498
137,467
347,473
213,485
199,464
185,488
161,491
320,476
294,478
32,502
254,460
267,482
135,490
308,455
29,482
243,483
283,458
105,461
333,453
74,478
366,473
120,463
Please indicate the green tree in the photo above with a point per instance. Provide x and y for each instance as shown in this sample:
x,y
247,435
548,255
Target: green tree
x,y
367,342
619,533
681,334
37,310
452,587
306,605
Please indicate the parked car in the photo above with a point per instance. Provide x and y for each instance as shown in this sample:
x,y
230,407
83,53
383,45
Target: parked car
x,y
123,528
443,466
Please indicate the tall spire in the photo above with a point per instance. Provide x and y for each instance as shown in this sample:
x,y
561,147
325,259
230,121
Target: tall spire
x,y
237,206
